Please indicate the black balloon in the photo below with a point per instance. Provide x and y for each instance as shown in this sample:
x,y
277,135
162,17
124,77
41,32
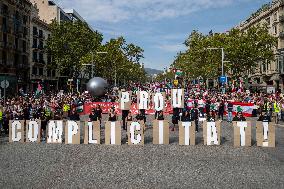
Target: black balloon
x,y
97,86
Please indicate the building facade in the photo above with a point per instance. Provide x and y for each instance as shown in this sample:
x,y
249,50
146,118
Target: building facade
x,y
14,43
269,73
40,59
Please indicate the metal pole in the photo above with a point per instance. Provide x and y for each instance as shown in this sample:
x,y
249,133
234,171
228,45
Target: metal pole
x,y
222,61
92,64
115,77
5,90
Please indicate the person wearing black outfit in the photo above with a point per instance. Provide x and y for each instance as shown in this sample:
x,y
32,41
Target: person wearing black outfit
x,y
112,115
221,110
186,117
93,116
140,116
211,116
175,117
194,114
264,118
160,116
99,112
74,116
230,107
124,116
239,117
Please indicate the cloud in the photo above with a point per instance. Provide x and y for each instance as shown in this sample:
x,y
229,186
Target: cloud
x,y
114,11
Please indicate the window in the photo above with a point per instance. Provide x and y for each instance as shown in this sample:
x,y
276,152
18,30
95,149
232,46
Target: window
x,y
40,34
40,46
16,43
34,70
41,58
40,71
25,19
24,46
35,31
34,56
53,73
5,39
35,43
275,29
48,73
4,57
264,67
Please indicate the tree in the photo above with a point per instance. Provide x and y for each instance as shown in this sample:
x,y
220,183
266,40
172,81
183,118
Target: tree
x,y
243,50
70,44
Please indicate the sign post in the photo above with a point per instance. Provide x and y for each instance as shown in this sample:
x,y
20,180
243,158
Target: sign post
x,y
4,85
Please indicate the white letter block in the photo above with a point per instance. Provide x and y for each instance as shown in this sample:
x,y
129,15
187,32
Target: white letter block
x,y
16,131
55,130
33,131
72,132
178,98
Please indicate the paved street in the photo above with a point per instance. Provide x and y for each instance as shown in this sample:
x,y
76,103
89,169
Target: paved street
x,y
151,166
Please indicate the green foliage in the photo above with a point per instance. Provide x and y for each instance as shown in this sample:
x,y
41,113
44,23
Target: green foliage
x,y
73,44
243,50
70,43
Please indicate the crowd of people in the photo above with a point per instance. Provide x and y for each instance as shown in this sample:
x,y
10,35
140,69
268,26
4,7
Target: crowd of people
x,y
200,103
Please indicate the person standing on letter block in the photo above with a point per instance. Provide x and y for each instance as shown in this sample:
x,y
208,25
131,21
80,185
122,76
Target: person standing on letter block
x,y
265,131
125,103
160,132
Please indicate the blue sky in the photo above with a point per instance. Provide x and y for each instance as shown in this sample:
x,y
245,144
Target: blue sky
x,y
161,26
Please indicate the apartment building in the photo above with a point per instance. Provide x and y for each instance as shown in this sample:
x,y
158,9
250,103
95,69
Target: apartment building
x,y
48,11
39,58
269,73
14,43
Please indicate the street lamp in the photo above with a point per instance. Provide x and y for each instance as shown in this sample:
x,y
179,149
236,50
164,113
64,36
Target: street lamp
x,y
92,64
222,57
